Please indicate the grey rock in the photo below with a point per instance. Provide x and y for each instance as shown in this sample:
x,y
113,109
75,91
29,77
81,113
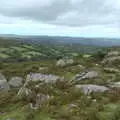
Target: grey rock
x,y
113,53
111,57
88,88
69,61
4,86
94,100
36,77
16,82
64,62
90,74
85,75
110,60
61,63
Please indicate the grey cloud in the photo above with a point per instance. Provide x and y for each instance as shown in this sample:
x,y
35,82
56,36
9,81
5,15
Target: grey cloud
x,y
92,12
66,12
38,12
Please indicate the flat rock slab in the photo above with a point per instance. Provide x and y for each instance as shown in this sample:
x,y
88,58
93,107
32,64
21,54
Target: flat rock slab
x,y
85,75
89,88
90,74
36,77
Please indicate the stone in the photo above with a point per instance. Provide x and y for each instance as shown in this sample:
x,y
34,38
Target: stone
x,y
113,53
64,62
97,64
16,82
111,60
39,77
61,63
90,74
111,57
85,75
4,86
69,61
89,88
94,100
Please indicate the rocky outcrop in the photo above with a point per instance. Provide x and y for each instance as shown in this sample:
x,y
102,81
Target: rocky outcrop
x,y
110,60
39,77
69,61
31,89
32,94
16,82
64,62
35,78
85,75
90,74
113,53
111,57
61,63
89,88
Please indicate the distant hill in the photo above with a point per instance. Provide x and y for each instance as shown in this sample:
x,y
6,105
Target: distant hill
x,y
66,40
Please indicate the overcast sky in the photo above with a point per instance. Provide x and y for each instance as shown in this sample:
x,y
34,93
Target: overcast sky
x,y
86,18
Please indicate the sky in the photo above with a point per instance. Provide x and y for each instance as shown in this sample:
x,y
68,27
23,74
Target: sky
x,y
77,18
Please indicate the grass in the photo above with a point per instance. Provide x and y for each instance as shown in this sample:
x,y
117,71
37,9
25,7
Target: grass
x,y
24,113
109,112
59,106
66,103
